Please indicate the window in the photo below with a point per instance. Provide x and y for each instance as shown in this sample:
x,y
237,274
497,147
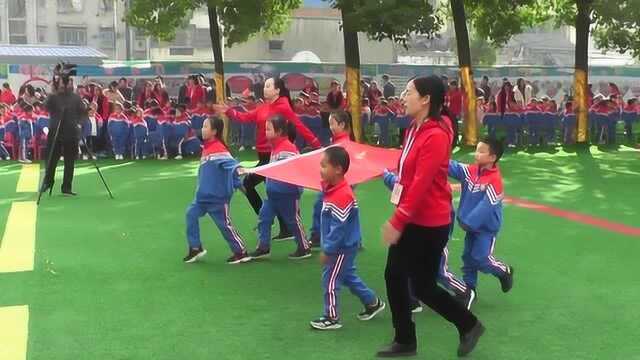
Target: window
x,y
68,35
107,38
17,9
276,45
17,22
105,5
42,34
70,6
181,38
202,38
175,51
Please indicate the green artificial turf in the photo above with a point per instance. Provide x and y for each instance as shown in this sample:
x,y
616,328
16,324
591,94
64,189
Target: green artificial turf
x,y
109,282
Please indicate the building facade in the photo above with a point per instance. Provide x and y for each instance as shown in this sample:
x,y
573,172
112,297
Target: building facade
x,y
94,23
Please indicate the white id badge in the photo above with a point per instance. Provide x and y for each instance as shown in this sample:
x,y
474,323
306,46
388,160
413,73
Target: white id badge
x,y
396,193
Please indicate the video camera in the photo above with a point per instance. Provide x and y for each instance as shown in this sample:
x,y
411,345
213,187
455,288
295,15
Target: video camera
x,y
63,73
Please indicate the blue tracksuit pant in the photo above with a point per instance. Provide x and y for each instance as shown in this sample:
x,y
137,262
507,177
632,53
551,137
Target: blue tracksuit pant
x,y
287,208
478,256
317,211
219,212
341,270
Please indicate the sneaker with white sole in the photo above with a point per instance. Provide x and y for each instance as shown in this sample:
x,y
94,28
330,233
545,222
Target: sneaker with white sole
x,y
239,258
300,254
370,312
260,254
194,255
416,307
179,157
325,323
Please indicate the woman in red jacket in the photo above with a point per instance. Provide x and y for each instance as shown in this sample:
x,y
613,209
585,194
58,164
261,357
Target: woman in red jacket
x,y
277,102
419,228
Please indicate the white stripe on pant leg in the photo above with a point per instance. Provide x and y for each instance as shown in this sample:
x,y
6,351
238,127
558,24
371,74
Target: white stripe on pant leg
x,y
305,245
331,287
493,260
452,280
233,231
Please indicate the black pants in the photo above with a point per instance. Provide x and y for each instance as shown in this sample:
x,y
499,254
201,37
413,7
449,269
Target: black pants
x,y
251,181
416,257
68,149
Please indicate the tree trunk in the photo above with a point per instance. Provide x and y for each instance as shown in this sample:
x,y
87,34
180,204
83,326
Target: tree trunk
x,y
352,74
218,75
580,101
470,122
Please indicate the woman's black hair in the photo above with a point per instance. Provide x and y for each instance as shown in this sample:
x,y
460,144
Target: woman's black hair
x,y
278,83
434,87
343,117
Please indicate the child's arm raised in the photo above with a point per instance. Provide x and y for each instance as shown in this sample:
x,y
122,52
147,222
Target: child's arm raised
x,y
457,170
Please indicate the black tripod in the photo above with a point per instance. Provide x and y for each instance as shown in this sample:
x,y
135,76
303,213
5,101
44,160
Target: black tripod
x,y
50,157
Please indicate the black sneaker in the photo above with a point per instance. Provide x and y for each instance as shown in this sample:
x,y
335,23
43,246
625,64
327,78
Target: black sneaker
x,y
325,323
314,240
506,281
416,307
469,340
397,350
467,298
239,258
260,253
370,312
282,237
69,193
194,255
300,254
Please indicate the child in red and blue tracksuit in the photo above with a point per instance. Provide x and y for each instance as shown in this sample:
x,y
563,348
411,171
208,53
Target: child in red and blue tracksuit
x,y
480,214
218,178
340,126
26,122
340,232
283,199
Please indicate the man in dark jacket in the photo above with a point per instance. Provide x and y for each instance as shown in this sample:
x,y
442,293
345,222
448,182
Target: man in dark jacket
x,y
388,89
67,111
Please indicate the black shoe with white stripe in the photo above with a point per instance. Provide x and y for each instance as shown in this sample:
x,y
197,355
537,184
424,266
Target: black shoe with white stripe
x,y
300,254
239,258
370,312
282,237
325,323
506,281
194,254
260,254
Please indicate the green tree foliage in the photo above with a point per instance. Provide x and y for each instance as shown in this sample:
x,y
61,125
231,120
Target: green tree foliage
x,y
239,19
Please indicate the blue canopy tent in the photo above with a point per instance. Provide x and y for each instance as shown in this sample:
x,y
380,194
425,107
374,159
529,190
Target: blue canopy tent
x,y
43,55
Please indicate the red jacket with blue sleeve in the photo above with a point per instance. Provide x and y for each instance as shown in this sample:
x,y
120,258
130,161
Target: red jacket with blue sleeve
x,y
480,209
282,150
217,175
262,113
339,220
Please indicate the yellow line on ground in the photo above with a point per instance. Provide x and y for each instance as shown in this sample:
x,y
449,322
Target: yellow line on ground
x,y
29,178
14,332
18,243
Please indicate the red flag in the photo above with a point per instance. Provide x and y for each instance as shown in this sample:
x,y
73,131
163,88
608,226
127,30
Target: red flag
x,y
366,163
